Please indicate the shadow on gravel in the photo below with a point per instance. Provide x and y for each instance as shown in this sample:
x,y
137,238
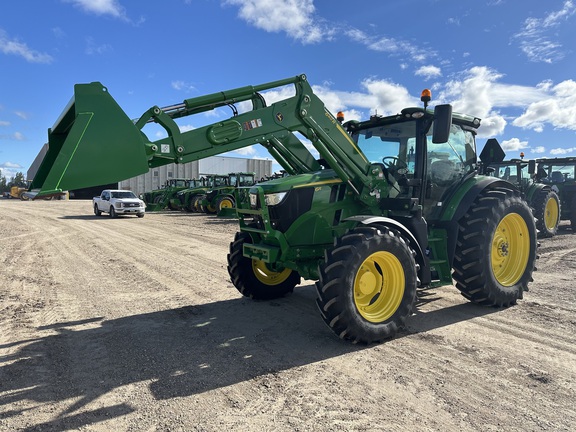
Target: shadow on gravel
x,y
181,352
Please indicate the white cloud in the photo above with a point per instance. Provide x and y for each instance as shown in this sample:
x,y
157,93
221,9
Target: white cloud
x,y
182,85
536,37
92,48
538,149
562,151
16,136
514,144
428,72
294,17
15,47
101,7
246,151
4,123
389,45
10,165
557,107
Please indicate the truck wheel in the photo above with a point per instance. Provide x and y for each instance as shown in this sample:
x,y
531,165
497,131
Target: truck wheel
x,y
140,215
97,212
112,212
225,202
496,249
547,212
367,285
253,278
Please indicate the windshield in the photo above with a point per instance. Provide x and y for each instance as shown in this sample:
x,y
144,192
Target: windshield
x,y
394,146
123,194
558,173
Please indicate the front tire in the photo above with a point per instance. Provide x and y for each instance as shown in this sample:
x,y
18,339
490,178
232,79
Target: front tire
x,y
367,285
496,249
253,278
112,212
97,211
547,212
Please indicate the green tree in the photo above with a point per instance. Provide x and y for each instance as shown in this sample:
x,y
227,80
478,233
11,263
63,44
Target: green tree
x,y
18,180
3,184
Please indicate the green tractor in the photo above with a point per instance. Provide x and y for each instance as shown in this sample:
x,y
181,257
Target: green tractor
x,y
221,200
159,199
542,197
391,205
559,174
177,202
191,199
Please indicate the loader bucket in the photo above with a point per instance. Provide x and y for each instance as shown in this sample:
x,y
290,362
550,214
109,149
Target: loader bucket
x,y
92,143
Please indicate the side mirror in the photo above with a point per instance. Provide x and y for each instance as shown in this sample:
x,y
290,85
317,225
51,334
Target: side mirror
x,y
531,166
442,123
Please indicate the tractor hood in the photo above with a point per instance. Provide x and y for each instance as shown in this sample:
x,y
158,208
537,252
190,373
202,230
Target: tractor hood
x,y
312,179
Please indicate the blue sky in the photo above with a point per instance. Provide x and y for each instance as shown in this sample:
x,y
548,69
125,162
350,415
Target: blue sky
x,y
513,66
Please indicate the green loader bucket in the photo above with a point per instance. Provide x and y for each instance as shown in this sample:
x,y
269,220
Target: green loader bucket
x,y
93,142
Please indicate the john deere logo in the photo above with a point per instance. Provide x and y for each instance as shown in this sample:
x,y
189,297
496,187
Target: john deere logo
x,y
279,117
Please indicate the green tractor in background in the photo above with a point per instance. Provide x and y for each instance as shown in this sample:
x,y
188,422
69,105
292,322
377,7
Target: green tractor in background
x,y
191,199
541,197
380,209
560,175
221,200
160,199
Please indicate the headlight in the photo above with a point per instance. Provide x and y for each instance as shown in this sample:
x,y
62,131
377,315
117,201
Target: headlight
x,y
275,198
253,200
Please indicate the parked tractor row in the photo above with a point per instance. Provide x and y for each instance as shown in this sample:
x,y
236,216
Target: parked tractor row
x,y
211,193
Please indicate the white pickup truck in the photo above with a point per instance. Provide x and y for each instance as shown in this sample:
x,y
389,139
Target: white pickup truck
x,y
116,202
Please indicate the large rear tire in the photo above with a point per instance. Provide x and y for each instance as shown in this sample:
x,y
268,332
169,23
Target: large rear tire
x,y
253,278
496,249
225,202
367,285
547,212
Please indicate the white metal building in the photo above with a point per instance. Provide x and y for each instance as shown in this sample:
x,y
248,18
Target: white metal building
x,y
157,177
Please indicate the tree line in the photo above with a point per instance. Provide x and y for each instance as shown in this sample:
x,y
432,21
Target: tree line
x,y
17,180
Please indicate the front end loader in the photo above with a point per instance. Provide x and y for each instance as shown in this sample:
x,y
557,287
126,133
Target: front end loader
x,y
392,204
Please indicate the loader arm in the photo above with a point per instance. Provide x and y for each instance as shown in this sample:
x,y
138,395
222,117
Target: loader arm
x,y
94,133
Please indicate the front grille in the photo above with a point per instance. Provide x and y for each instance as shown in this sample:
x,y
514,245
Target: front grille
x,y
295,203
131,205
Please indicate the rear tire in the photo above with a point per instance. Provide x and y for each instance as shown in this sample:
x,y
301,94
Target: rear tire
x,y
225,202
547,212
367,285
253,278
496,249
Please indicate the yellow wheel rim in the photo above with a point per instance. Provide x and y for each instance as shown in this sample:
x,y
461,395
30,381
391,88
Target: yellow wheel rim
x,y
267,276
551,212
226,203
510,249
379,287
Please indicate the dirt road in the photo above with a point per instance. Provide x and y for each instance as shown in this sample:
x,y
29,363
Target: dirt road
x,y
133,325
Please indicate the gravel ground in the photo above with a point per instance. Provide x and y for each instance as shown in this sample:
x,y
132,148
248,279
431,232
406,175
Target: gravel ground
x,y
132,324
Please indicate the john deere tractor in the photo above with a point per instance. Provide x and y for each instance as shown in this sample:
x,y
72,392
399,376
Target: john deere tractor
x,y
159,199
221,200
191,199
559,174
542,197
386,206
